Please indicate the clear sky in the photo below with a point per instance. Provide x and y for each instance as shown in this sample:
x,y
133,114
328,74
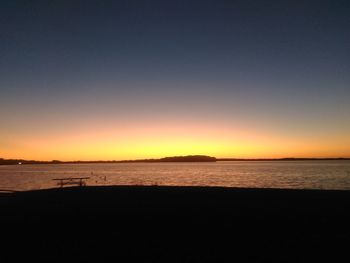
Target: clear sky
x,y
146,79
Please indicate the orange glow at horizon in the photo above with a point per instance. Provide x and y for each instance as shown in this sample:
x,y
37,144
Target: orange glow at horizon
x,y
147,139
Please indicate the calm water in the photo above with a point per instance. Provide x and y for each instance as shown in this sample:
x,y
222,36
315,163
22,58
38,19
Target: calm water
x,y
286,174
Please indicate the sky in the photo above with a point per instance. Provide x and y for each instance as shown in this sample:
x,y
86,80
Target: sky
x,y
113,80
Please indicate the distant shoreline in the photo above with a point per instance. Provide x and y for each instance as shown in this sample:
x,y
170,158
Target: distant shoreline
x,y
189,158
282,159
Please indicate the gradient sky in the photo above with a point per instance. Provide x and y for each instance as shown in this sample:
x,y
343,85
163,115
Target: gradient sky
x,y
145,79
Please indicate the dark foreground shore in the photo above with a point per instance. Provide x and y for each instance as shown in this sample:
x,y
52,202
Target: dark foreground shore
x,y
175,224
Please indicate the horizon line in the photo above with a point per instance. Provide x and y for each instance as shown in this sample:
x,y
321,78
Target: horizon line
x,y
155,159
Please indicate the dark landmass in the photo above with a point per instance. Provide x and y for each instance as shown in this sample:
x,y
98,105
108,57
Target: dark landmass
x,y
175,224
188,158
282,159
22,161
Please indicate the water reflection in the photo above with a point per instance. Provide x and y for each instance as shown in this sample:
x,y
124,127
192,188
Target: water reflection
x,y
281,174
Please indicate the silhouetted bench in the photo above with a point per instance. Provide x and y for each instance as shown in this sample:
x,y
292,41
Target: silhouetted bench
x,y
80,181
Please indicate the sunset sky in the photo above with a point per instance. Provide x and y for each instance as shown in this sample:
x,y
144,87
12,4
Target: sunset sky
x,y
112,80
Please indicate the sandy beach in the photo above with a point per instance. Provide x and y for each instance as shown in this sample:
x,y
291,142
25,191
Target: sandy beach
x,y
177,224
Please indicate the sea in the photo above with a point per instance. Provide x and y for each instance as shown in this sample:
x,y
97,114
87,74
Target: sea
x,y
315,174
